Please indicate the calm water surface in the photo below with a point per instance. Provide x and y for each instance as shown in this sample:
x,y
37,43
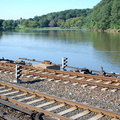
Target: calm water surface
x,y
82,48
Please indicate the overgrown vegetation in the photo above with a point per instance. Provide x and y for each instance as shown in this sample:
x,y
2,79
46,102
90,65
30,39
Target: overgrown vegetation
x,y
105,15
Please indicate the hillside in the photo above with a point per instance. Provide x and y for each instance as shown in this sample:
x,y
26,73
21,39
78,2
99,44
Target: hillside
x,y
63,19
105,15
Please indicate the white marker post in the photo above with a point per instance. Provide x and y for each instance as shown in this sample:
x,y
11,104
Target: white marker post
x,y
64,63
17,73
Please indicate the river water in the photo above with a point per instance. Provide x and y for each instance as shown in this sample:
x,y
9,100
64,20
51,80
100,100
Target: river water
x,y
83,48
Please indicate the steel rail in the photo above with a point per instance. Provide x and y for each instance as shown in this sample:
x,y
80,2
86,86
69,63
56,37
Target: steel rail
x,y
33,108
8,69
7,64
46,96
31,60
67,78
72,80
71,73
25,110
63,72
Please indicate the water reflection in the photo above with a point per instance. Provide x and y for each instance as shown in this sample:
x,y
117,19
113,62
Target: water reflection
x,y
69,36
107,45
0,35
106,41
82,47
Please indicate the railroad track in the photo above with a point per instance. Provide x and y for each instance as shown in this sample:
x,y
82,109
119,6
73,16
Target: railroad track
x,y
50,105
65,76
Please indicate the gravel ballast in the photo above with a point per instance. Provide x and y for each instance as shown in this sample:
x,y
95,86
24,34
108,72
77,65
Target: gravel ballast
x,y
95,97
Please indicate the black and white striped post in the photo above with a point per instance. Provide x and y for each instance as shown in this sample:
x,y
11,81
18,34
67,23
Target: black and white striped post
x,y
17,72
64,63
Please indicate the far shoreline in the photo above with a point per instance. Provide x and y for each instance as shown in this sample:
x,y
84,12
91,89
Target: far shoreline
x,y
23,29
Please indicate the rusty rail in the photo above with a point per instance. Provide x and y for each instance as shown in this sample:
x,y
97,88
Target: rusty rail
x,y
72,80
82,75
85,76
25,110
7,64
72,73
60,72
8,69
56,99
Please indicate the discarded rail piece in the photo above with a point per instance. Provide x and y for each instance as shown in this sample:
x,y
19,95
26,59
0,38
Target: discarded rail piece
x,y
50,105
49,65
81,70
33,114
21,62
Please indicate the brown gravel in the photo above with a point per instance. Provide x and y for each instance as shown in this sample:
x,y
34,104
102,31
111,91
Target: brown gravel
x,y
103,99
14,113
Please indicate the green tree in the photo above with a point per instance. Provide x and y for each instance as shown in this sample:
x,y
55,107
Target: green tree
x,y
36,18
52,23
25,23
9,24
74,22
1,21
43,22
115,15
105,15
33,24
61,23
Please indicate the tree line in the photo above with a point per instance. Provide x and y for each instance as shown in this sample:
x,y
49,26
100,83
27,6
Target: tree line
x,y
63,19
105,15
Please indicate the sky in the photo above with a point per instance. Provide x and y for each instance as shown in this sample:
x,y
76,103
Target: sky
x,y
16,9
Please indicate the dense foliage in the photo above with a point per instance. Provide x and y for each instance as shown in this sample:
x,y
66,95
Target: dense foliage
x,y
105,15
64,19
1,21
